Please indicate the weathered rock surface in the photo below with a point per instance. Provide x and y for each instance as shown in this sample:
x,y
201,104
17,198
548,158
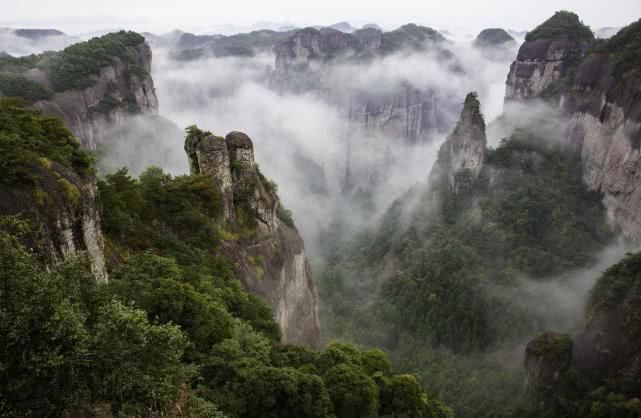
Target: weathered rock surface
x,y
64,206
541,63
309,62
461,156
604,108
267,251
120,90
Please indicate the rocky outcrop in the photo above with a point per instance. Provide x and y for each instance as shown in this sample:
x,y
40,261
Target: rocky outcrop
x,y
461,156
122,88
62,207
267,252
602,99
549,54
311,61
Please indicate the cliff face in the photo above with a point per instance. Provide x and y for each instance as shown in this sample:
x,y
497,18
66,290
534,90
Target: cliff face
x,y
267,252
309,59
461,156
540,64
601,97
122,88
47,181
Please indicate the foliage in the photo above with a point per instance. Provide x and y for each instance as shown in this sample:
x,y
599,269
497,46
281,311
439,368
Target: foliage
x,y
12,85
432,282
76,66
62,345
563,23
26,136
625,45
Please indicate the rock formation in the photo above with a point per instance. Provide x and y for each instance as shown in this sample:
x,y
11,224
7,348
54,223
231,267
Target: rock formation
x,y
266,249
91,85
308,60
59,201
461,156
121,88
549,54
598,90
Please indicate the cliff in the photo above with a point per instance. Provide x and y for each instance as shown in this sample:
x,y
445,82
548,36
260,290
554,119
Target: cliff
x,y
263,244
48,182
460,158
92,84
597,88
549,54
312,60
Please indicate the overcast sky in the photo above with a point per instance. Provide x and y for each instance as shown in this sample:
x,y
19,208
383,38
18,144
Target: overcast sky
x,y
76,16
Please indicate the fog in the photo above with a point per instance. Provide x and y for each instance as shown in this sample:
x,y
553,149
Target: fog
x,y
305,141
15,45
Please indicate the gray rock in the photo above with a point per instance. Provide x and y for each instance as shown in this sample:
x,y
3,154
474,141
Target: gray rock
x,y
270,260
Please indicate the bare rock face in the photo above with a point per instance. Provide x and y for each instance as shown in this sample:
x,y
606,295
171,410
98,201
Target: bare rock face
x,y
550,53
65,207
309,62
461,156
539,64
266,249
602,99
121,89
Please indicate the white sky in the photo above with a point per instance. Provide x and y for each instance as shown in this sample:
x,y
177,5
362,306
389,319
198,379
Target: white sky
x,y
461,16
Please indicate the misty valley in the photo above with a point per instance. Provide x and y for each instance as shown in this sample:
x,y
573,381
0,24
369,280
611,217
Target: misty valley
x,y
321,222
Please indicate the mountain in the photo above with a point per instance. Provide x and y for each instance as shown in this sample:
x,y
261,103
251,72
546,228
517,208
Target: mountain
x,y
267,252
495,37
596,84
33,41
171,331
309,60
47,180
89,85
188,46
344,27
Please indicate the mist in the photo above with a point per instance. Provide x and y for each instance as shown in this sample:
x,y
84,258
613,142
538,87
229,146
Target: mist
x,y
304,141
16,45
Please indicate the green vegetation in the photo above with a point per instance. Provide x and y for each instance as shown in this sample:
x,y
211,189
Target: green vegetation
x,y
173,332
27,136
76,65
626,45
12,85
434,283
563,23
609,387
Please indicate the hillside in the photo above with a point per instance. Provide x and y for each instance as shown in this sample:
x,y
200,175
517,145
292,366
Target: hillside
x,y
172,331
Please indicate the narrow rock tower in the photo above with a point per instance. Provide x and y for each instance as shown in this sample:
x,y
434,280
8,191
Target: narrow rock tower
x,y
265,247
461,156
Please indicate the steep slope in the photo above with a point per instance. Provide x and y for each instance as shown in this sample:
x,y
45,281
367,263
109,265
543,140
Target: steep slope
x,y
548,57
461,156
597,86
48,181
92,84
267,252
389,116
595,373
440,281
